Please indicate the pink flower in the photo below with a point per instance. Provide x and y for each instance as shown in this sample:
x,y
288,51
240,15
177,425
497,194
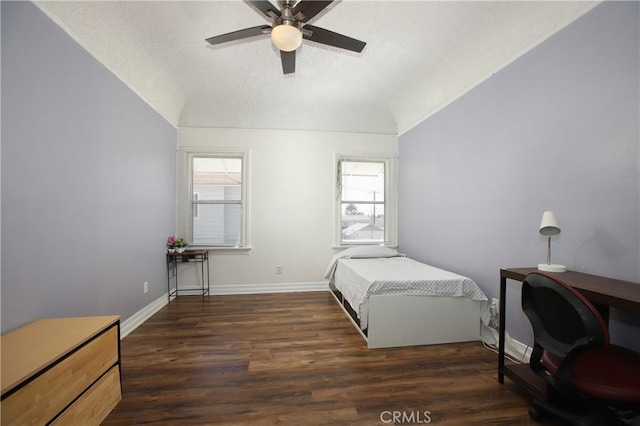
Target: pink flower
x,y
171,241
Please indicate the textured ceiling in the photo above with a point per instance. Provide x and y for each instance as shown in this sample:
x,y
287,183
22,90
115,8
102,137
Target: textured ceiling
x,y
420,55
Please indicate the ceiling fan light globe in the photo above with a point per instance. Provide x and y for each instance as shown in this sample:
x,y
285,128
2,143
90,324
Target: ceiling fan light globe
x,y
286,37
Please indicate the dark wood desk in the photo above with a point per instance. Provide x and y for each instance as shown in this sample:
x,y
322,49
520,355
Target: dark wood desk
x,y
602,293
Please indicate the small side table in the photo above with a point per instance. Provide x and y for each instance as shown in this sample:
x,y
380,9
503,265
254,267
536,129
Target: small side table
x,y
174,259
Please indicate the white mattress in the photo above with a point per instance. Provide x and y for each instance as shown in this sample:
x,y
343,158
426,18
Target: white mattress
x,y
357,279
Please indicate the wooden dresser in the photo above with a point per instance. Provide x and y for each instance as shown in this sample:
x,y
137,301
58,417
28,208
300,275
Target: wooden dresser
x,y
61,371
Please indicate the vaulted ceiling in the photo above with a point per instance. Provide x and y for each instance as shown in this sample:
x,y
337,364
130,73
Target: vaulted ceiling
x,y
420,56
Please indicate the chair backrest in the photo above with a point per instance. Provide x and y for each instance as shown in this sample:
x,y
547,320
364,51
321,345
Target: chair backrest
x,y
562,319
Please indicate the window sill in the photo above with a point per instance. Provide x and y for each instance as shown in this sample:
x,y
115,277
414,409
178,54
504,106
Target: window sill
x,y
223,250
345,246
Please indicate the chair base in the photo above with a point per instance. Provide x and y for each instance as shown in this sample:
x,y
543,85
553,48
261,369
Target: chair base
x,y
628,418
580,416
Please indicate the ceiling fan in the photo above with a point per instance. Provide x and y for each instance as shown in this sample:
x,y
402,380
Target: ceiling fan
x,y
289,26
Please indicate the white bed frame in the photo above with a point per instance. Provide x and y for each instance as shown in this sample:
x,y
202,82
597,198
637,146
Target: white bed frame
x,y
401,320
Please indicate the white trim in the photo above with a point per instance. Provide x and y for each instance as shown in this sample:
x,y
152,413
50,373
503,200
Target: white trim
x,y
346,246
517,350
183,185
268,288
222,249
137,319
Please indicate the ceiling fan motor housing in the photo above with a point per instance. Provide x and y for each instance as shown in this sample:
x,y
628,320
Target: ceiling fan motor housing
x,y
286,34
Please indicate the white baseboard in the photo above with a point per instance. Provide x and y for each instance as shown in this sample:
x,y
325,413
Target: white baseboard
x,y
137,319
268,288
518,350
145,313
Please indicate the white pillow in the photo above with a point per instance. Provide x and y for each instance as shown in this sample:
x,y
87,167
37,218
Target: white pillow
x,y
360,252
365,252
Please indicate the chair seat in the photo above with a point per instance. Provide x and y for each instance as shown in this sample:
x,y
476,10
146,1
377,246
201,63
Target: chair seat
x,y
611,373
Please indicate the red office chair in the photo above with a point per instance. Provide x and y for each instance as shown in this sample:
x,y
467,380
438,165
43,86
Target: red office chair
x,y
590,382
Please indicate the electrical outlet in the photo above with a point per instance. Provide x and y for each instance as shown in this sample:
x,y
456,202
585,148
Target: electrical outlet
x,y
145,287
278,269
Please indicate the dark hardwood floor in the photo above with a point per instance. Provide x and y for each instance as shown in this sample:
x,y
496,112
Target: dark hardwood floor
x,y
295,359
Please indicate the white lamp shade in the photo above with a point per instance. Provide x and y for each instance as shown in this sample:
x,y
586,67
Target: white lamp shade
x,y
286,37
549,225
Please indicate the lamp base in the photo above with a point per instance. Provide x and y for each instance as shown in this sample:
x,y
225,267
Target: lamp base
x,y
552,267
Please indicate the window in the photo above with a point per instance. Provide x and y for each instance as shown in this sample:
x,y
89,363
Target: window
x,y
365,214
215,204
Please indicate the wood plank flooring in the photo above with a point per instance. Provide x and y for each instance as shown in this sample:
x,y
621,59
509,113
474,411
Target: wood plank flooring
x,y
295,359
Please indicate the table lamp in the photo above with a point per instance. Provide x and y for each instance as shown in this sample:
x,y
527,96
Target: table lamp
x,y
549,228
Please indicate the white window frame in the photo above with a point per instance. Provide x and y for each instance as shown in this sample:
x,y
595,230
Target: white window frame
x,y
184,212
390,196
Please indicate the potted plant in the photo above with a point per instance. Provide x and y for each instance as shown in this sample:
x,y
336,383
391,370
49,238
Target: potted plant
x,y
171,241
175,244
180,245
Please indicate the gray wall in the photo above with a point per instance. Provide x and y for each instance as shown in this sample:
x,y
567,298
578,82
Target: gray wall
x,y
88,180
555,130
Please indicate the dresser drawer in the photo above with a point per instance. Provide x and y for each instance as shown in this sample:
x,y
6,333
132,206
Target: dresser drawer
x,y
95,404
47,394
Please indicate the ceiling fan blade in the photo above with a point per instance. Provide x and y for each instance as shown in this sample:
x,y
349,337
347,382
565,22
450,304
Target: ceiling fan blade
x,y
320,35
265,7
240,34
309,9
288,61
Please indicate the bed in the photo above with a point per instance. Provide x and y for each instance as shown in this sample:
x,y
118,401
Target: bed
x,y
396,301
